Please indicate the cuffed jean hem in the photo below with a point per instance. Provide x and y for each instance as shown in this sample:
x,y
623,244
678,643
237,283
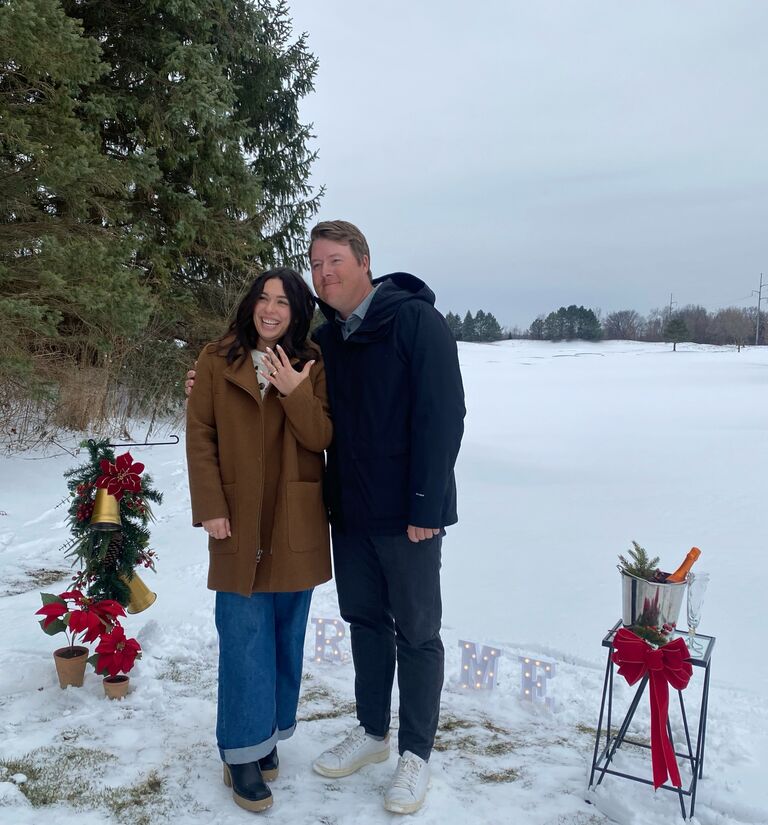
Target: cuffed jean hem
x,y
252,753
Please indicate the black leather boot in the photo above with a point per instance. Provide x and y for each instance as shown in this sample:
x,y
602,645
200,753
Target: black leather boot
x,y
269,765
249,789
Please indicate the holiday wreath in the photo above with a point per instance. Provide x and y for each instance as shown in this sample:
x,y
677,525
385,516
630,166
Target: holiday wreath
x,y
107,558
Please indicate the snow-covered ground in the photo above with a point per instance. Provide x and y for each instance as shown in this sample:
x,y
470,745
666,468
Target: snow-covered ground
x,y
571,451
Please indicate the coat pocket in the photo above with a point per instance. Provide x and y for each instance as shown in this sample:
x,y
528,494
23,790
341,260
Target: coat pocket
x,y
229,545
307,519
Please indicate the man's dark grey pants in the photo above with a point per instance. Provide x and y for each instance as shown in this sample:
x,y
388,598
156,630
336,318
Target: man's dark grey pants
x,y
389,592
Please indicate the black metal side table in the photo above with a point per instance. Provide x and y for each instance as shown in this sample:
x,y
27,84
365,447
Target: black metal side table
x,y
701,655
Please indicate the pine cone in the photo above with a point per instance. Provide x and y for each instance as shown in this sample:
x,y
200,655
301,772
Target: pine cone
x,y
114,551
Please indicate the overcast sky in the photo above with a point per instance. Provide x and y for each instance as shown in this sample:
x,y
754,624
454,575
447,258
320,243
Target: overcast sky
x,y
520,155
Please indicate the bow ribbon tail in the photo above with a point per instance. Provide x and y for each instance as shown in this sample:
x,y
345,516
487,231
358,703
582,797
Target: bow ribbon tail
x,y
662,752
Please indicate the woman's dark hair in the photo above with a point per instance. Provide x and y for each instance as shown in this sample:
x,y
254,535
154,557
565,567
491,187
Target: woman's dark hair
x,y
241,337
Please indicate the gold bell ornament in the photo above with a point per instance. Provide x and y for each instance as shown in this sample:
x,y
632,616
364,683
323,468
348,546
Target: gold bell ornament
x,y
141,596
106,512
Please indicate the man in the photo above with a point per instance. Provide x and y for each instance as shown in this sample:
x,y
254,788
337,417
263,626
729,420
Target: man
x,y
397,404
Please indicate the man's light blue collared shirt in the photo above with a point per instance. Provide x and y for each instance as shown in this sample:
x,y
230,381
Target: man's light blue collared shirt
x,y
355,318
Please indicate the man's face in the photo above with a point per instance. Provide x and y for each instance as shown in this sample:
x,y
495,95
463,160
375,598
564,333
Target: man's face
x,y
339,278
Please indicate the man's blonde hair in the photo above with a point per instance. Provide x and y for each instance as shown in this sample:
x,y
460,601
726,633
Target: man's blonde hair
x,y
342,232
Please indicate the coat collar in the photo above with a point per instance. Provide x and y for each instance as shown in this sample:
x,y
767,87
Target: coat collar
x,y
243,374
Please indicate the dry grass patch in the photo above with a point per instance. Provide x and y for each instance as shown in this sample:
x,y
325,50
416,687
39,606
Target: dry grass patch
x,y
68,774
341,709
34,580
507,775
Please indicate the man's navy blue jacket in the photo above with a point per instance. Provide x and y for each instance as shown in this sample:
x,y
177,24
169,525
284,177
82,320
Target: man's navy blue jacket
x,y
397,403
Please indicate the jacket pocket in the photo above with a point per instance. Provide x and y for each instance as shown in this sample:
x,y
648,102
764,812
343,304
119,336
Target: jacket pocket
x,y
307,519
229,545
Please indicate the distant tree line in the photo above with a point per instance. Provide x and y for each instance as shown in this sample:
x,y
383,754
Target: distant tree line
x,y
566,324
482,327
733,325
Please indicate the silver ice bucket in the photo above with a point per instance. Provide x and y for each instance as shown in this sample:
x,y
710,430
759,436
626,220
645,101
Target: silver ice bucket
x,y
650,604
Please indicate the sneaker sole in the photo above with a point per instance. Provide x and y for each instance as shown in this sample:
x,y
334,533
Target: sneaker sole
x,y
337,773
400,808
247,804
406,808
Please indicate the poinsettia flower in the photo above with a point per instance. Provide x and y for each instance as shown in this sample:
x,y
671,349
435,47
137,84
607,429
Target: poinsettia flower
x,y
116,653
75,596
51,612
87,622
108,609
121,476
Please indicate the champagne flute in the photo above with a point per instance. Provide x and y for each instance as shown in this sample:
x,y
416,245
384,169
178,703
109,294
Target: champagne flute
x,y
697,587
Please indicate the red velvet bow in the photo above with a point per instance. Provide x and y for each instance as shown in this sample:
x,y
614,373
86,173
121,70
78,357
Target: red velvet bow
x,y
669,665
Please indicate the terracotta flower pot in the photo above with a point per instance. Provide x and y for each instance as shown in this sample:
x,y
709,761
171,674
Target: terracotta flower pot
x,y
116,687
70,665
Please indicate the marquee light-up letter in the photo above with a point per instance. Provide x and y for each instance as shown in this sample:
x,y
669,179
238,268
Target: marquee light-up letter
x,y
533,680
478,670
328,634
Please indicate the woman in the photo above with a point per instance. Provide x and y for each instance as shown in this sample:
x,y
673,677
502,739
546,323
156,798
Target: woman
x,y
257,425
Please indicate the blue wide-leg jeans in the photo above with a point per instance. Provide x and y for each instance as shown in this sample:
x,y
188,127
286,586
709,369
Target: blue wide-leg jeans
x,y
261,647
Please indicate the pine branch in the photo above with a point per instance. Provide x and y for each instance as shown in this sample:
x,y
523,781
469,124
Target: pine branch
x,y
639,563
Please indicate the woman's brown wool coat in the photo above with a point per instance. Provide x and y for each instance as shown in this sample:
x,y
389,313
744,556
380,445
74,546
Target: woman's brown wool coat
x,y
227,457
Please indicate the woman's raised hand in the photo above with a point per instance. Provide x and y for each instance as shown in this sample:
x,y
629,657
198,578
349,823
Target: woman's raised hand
x,y
281,374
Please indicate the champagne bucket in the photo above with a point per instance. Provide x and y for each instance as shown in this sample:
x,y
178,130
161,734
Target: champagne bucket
x,y
650,604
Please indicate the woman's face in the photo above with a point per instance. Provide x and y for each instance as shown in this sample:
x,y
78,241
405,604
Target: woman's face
x,y
271,314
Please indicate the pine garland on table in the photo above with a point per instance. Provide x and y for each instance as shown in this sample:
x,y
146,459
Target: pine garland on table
x,y
107,558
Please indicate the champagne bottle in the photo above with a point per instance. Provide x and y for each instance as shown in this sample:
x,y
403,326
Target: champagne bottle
x,y
682,571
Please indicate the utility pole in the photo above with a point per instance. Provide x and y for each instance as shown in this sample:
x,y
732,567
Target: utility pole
x,y
759,293
671,304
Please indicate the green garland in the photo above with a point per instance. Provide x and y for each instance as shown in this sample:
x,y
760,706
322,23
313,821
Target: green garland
x,y
107,558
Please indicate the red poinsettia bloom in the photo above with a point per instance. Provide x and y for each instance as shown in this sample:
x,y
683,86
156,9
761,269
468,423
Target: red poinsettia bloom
x,y
75,596
121,476
94,618
86,622
51,612
116,653
86,616
108,609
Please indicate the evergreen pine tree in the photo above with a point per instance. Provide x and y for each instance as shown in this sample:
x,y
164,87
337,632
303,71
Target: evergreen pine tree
x,y
536,330
479,324
205,98
553,325
468,332
587,325
675,331
67,284
153,162
493,329
454,325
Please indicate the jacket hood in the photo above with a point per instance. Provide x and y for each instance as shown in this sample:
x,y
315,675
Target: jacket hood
x,y
393,291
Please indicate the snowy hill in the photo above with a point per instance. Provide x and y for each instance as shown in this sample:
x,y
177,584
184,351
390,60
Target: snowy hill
x,y
571,451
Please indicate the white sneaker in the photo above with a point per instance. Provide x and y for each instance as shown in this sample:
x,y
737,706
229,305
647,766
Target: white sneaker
x,y
408,788
354,751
